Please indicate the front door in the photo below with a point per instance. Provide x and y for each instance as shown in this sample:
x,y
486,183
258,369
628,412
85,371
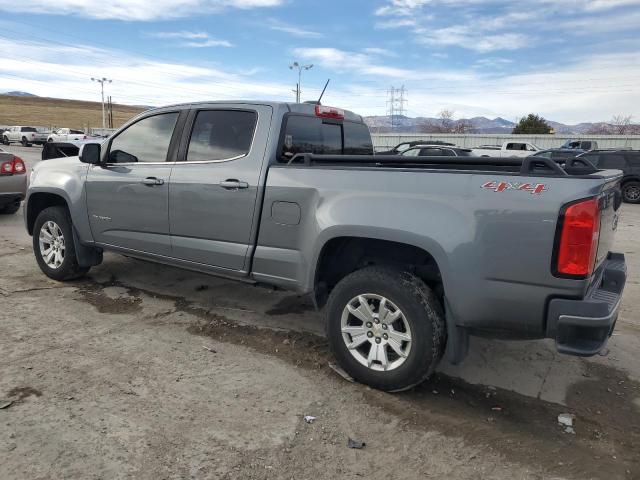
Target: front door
x,y
213,192
127,197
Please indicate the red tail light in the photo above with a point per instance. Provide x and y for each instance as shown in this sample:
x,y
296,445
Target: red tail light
x,y
578,245
329,112
15,166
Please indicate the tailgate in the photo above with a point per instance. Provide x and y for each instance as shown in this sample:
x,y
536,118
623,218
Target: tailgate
x,y
610,201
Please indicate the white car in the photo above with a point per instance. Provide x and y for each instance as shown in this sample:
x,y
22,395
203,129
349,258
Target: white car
x,y
507,149
66,135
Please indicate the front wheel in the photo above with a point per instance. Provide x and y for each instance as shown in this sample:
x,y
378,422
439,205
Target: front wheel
x,y
631,192
54,247
25,142
5,140
385,327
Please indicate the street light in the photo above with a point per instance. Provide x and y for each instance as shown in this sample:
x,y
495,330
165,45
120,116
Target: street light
x,y
300,68
101,81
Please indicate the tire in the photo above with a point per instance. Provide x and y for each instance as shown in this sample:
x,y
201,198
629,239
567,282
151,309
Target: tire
x,y
420,313
631,192
25,143
10,209
49,140
5,140
68,268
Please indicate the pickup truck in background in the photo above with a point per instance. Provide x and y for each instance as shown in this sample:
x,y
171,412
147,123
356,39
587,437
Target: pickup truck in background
x,y
584,145
27,136
407,256
507,149
66,135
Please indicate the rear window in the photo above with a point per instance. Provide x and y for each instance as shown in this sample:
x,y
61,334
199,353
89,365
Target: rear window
x,y
306,134
28,129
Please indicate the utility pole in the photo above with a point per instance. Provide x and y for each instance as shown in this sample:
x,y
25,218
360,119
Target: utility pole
x,y
101,81
300,68
395,103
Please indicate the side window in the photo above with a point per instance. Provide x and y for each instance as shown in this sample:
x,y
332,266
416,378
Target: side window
x,y
516,146
593,158
411,152
221,135
633,159
145,141
614,161
530,148
431,152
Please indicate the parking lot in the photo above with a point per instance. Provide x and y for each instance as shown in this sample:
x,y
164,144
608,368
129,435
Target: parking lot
x,y
146,371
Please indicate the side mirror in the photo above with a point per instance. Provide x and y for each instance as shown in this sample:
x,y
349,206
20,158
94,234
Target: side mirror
x,y
90,153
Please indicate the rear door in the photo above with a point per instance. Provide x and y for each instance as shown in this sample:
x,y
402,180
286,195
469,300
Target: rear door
x,y
128,196
214,188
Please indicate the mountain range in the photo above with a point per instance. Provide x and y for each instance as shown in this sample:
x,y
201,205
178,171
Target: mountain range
x,y
404,124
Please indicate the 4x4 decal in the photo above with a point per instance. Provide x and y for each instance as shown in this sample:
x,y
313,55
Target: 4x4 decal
x,y
533,188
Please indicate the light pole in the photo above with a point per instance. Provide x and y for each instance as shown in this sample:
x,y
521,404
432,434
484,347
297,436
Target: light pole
x,y
101,81
300,68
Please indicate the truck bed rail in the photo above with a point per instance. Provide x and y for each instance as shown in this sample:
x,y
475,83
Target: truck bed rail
x,y
526,166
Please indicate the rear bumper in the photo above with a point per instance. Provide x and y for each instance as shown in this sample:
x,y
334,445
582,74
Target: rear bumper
x,y
583,327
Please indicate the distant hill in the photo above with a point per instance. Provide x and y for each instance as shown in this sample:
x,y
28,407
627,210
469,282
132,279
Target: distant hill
x,y
57,112
17,93
403,124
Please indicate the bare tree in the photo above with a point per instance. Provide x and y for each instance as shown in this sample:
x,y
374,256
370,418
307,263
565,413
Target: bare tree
x,y
621,124
446,120
599,129
462,126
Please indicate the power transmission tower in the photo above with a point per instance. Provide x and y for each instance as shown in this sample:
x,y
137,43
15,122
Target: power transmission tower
x,y
396,103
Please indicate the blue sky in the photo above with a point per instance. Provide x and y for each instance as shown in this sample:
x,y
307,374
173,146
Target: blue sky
x,y
568,60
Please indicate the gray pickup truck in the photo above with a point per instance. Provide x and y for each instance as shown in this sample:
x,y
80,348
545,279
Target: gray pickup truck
x,y
408,256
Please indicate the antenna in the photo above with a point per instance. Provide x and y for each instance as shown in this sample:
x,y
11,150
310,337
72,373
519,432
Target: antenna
x,y
325,87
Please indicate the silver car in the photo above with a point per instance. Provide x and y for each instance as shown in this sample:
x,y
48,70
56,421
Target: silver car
x,y
13,182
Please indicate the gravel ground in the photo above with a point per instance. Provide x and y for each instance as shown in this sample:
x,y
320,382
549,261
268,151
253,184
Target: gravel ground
x,y
145,371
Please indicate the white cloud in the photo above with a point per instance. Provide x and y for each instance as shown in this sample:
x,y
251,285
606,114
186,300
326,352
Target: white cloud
x,y
191,39
294,30
65,71
133,10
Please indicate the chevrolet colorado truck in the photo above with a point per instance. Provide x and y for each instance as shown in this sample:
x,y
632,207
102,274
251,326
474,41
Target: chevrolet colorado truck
x,y
407,256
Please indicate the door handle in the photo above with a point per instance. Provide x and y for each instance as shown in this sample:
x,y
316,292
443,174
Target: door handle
x,y
233,184
151,181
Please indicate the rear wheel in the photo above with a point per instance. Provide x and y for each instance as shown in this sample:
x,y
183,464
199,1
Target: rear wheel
x,y
385,327
631,192
25,143
5,140
54,247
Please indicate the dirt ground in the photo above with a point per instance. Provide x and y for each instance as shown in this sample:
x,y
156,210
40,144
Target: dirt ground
x,y
149,372
59,112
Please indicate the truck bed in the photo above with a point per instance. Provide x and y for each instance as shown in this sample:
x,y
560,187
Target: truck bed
x,y
490,225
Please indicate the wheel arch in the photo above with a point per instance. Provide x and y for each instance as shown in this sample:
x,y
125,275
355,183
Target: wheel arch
x,y
37,202
344,252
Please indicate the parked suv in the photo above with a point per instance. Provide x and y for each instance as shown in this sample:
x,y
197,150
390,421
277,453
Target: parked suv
x,y
626,160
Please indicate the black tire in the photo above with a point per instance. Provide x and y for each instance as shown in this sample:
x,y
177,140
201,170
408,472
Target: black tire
x,y
5,140
69,268
10,209
631,192
24,142
422,312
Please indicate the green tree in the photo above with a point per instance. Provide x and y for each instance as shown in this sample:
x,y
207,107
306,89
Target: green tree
x,y
532,124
